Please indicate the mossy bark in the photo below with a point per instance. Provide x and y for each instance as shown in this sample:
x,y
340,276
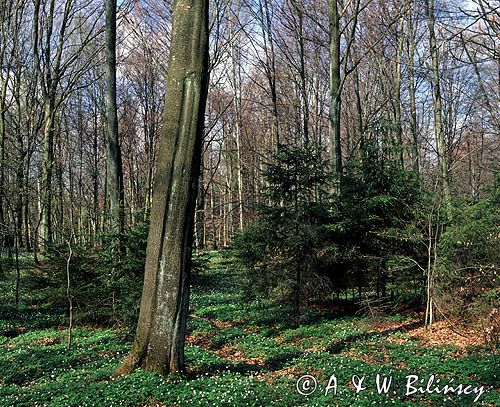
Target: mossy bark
x,y
159,341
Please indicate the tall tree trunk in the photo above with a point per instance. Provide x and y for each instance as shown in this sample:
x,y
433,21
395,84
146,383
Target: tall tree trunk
x,y
359,106
48,159
236,84
397,101
213,228
49,72
114,161
3,95
413,107
200,211
304,99
95,180
20,165
267,35
5,62
438,110
161,329
411,33
335,101
59,168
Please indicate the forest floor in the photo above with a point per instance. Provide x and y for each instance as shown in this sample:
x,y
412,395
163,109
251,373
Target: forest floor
x,y
248,353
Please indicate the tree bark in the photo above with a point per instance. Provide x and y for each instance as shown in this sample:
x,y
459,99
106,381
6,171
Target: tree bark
x,y
236,81
161,329
3,109
114,157
410,55
270,70
438,110
335,101
48,159
304,99
49,67
397,101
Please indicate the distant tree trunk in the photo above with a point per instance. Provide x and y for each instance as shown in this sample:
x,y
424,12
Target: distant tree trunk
x,y
335,101
214,230
482,89
114,161
26,190
438,115
236,85
8,39
303,94
410,55
413,117
3,96
48,159
200,213
359,110
59,212
49,67
80,184
150,131
161,329
95,179
270,67
397,101
20,165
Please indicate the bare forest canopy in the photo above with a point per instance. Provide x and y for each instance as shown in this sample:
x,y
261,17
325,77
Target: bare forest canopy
x,y
270,78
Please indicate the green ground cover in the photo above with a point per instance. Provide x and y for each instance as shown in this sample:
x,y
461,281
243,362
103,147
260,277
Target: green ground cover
x,y
239,353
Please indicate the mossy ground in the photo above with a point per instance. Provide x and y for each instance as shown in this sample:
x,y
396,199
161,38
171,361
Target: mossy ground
x,y
239,353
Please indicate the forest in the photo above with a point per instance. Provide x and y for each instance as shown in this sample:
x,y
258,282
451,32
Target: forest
x,y
249,202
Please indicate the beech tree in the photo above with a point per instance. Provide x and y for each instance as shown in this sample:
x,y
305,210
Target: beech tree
x,y
159,340
337,62
436,96
335,100
114,167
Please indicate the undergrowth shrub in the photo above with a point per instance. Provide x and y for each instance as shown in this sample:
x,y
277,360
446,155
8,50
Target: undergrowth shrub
x,y
106,286
282,249
315,241
469,266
